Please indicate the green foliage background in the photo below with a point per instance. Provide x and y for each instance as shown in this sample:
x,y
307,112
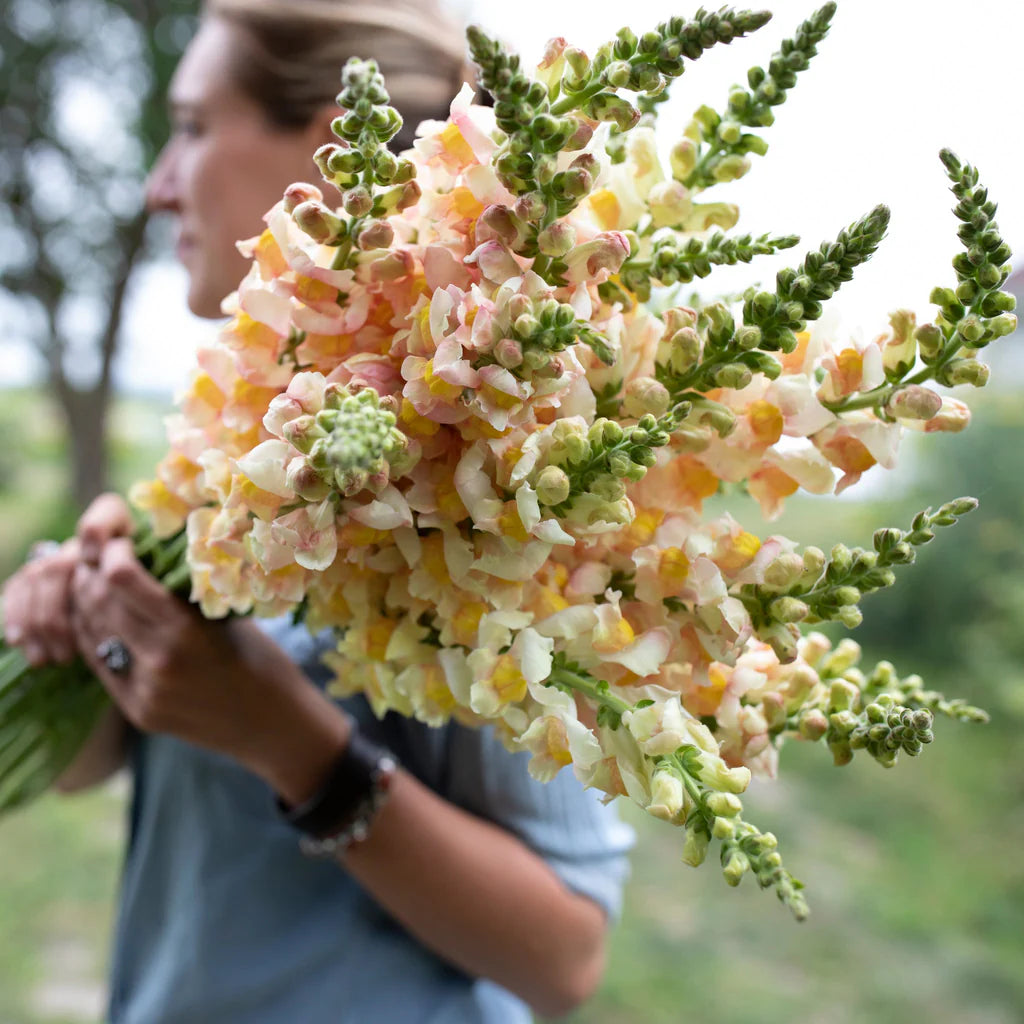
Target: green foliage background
x,y
914,874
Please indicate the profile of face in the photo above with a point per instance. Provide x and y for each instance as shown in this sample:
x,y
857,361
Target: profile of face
x,y
224,166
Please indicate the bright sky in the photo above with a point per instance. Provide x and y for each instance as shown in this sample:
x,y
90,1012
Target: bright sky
x,y
894,82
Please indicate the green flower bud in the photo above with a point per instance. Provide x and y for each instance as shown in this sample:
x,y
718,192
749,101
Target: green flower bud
x,y
645,395
695,847
617,74
929,340
813,561
733,375
556,239
748,337
319,222
812,724
842,696
989,275
731,168
683,159
850,616
300,193
842,751
736,867
1002,325
724,805
841,562
723,828
357,201
553,486
967,371
788,609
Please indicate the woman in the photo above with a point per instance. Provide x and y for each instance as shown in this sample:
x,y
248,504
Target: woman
x,y
472,890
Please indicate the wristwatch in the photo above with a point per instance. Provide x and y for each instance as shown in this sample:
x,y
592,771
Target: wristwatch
x,y
341,812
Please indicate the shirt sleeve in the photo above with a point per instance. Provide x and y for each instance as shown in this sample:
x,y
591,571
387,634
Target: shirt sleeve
x,y
581,838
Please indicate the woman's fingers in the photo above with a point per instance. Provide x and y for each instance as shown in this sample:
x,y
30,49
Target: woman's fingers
x,y
130,583
107,517
36,607
98,616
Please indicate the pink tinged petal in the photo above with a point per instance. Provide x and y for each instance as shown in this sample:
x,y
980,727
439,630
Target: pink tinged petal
x,y
646,654
392,266
266,305
483,183
808,467
451,367
407,540
441,269
458,554
881,440
357,308
457,673
216,475
581,302
496,263
473,122
388,512
308,390
873,372
268,552
704,583
267,466
283,409
313,321
369,370
319,551
441,306
550,531
299,252
533,652
569,623
589,261
474,486
578,399
794,396
517,566
589,579
527,506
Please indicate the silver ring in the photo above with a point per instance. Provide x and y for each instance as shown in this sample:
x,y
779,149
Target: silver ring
x,y
113,653
42,549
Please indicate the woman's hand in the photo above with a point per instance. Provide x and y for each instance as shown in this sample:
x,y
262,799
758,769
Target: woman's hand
x,y
221,685
37,598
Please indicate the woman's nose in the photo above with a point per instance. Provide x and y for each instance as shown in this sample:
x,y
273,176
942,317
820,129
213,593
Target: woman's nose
x,y
162,183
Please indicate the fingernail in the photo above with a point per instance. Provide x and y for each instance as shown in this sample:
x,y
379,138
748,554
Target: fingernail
x,y
34,654
13,635
90,554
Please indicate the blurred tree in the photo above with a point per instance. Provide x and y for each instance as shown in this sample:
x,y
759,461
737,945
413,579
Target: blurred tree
x,y
82,116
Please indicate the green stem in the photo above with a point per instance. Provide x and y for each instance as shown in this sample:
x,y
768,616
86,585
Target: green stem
x,y
589,687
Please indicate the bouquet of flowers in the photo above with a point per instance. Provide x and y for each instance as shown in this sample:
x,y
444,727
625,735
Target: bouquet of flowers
x,y
468,419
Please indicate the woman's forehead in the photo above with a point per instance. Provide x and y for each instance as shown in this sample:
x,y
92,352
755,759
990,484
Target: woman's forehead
x,y
203,75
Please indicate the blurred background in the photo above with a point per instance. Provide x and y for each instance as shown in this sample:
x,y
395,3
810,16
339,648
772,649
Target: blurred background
x,y
915,875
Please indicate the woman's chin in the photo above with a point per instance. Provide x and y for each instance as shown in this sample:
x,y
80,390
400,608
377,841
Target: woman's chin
x,y
205,303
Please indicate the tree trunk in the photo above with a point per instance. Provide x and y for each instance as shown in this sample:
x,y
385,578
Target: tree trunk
x,y
86,410
85,414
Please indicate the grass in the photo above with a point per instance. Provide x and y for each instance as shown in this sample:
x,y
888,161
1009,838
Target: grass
x,y
914,875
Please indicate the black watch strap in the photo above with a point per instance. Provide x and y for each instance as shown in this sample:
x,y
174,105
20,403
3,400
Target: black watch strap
x,y
355,787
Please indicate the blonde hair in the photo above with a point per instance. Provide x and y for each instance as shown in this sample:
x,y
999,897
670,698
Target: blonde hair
x,y
292,53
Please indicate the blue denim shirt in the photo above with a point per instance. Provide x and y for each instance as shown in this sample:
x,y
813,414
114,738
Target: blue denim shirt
x,y
223,919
